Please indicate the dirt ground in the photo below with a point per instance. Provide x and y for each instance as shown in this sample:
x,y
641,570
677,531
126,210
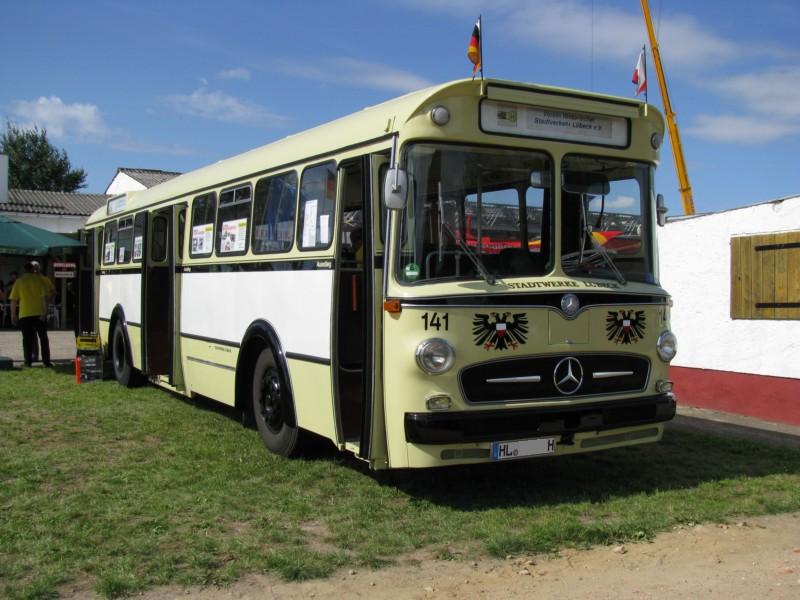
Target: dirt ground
x,y
741,560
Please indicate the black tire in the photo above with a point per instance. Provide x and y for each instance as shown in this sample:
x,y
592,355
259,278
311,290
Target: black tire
x,y
272,407
124,372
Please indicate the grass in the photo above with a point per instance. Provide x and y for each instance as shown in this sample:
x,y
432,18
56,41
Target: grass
x,y
122,489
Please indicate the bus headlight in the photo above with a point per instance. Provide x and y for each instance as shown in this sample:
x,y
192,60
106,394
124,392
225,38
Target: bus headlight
x,y
667,346
440,115
435,356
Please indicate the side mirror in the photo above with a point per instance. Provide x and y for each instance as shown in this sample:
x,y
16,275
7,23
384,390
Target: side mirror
x,y
661,210
395,188
540,179
585,182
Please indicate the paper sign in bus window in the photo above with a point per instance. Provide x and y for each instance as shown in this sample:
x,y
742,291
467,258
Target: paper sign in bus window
x,y
324,232
310,224
121,254
137,247
108,255
234,236
201,238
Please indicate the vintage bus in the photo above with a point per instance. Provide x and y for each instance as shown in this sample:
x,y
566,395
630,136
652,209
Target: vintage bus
x,y
464,274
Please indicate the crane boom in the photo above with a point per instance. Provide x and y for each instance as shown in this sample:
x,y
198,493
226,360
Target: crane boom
x,y
672,126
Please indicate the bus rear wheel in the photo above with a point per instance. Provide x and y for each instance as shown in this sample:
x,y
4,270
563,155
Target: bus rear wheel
x,y
272,406
124,372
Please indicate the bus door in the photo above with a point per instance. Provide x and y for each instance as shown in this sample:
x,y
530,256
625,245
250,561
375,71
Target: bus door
x,y
85,310
374,446
353,285
358,296
157,293
176,270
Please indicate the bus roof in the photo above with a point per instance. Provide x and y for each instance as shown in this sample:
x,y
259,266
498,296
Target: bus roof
x,y
370,123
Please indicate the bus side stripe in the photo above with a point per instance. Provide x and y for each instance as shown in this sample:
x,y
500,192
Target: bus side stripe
x,y
308,358
210,364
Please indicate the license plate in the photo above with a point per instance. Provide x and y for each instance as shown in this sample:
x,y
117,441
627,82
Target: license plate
x,y
523,448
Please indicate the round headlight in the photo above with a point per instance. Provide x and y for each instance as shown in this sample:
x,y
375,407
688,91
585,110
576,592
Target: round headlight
x,y
435,356
440,115
655,140
667,346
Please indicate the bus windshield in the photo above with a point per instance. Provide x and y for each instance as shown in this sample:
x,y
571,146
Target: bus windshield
x,y
605,220
476,213
487,213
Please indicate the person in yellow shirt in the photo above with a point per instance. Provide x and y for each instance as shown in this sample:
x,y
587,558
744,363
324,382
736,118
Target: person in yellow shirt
x,y
29,298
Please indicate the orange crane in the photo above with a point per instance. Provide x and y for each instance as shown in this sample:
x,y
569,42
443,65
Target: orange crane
x,y
674,136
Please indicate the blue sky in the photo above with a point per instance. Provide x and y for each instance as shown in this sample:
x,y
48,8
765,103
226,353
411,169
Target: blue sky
x,y
176,85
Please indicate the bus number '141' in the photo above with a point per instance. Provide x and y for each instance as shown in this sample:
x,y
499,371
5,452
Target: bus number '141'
x,y
436,321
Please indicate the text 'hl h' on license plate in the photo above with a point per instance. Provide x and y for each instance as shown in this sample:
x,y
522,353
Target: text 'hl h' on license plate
x,y
523,448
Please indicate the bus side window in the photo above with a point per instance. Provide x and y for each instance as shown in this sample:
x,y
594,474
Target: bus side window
x,y
317,207
124,240
232,220
274,209
98,255
181,231
159,243
138,236
110,243
203,212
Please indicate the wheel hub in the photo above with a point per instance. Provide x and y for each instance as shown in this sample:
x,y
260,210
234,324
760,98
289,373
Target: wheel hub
x,y
270,403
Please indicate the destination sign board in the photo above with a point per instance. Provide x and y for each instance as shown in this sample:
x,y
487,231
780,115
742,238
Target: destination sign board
x,y
555,124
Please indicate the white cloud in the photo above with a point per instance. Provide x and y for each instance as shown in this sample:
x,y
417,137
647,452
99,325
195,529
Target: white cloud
x,y
219,106
770,92
622,202
770,112
350,71
240,73
747,129
567,27
82,121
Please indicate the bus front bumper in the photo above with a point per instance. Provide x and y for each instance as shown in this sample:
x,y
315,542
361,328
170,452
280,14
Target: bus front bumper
x,y
517,424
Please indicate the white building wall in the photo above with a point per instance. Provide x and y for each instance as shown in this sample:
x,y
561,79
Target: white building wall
x,y
123,183
696,270
54,223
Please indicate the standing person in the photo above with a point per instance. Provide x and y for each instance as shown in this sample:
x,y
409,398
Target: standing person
x,y
51,289
29,298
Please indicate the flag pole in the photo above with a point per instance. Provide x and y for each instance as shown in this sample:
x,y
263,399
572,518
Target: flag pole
x,y
644,53
480,43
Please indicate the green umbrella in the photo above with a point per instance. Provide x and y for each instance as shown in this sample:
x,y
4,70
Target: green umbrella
x,y
27,240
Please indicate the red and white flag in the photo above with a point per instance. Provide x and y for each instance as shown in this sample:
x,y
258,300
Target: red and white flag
x,y
640,75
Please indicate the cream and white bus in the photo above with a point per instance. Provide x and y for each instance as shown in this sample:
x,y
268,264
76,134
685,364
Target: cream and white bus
x,y
464,274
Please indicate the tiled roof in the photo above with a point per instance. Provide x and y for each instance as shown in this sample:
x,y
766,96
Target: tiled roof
x,y
52,203
148,177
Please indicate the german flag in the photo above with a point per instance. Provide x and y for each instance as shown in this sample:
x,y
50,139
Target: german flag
x,y
474,48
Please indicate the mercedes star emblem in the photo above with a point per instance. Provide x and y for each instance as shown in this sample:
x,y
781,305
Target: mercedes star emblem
x,y
568,375
570,304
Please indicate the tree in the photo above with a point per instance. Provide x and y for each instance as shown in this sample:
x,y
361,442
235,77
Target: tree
x,y
35,164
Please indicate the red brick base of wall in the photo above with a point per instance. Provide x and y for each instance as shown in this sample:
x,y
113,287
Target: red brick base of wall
x,y
775,399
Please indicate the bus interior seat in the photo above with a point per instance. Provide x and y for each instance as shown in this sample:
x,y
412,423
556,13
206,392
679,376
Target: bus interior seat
x,y
518,261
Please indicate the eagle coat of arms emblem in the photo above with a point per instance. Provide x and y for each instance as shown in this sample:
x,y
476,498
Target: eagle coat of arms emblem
x,y
501,331
625,326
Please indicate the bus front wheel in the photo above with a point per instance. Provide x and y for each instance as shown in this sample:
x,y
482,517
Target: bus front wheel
x,y
271,407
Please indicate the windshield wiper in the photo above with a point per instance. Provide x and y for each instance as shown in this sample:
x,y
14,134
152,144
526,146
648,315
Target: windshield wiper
x,y
598,249
474,258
